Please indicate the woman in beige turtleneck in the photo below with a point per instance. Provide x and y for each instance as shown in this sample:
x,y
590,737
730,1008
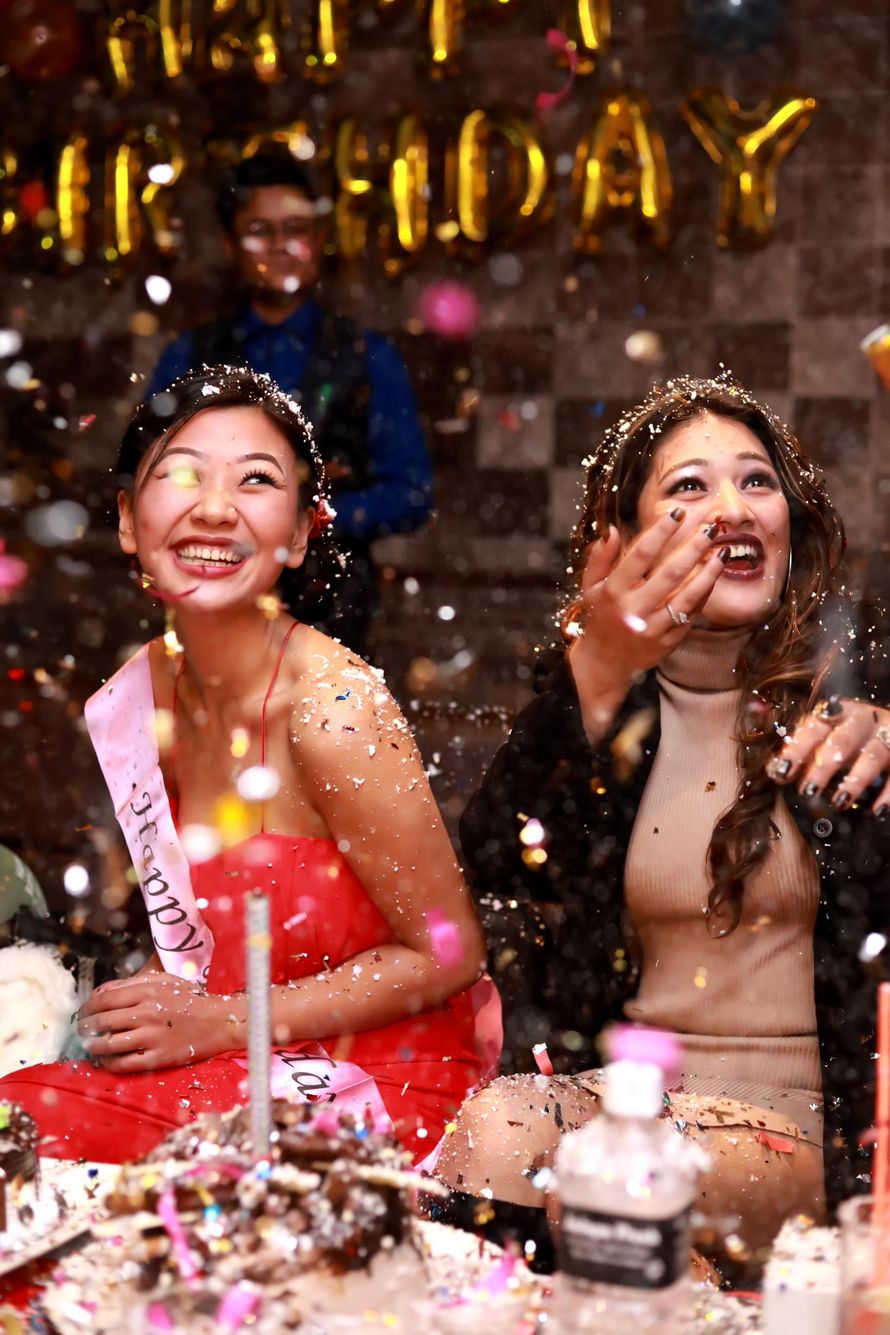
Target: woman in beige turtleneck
x,y
714,548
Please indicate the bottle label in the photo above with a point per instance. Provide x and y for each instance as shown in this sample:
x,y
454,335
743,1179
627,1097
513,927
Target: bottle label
x,y
631,1253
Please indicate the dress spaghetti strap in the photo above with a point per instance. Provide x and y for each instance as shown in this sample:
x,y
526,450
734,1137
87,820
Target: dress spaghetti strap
x,y
275,671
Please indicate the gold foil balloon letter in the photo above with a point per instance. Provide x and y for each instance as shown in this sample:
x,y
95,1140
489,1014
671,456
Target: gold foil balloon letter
x,y
441,25
325,35
354,169
588,23
497,178
403,236
621,167
138,171
72,198
748,146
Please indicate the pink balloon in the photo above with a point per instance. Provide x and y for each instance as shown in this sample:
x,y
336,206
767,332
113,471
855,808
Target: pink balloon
x,y
449,309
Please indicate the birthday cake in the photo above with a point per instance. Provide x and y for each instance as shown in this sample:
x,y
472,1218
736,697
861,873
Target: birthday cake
x,y
321,1236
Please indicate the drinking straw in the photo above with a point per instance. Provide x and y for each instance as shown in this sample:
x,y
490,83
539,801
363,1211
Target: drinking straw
x,y
881,1169
259,1027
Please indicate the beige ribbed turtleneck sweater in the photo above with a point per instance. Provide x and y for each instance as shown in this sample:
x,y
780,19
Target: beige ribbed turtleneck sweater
x,y
743,1004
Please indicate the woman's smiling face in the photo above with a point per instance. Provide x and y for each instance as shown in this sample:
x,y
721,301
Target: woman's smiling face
x,y
714,467
216,515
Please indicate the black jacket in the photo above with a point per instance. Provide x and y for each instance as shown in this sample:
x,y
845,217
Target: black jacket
x,y
562,984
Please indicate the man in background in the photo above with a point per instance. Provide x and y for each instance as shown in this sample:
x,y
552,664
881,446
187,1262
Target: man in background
x,y
350,382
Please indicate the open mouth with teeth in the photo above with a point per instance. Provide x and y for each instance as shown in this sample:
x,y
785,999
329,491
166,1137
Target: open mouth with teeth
x,y
745,558
203,558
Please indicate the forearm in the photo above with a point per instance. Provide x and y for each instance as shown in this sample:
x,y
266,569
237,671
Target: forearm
x,y
600,695
369,991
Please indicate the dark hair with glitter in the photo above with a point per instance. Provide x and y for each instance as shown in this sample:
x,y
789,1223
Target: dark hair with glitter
x,y
786,661
157,420
263,169
155,423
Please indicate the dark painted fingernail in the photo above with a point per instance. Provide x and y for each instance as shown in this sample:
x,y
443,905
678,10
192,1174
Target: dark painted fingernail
x,y
711,529
881,811
724,554
832,707
677,514
841,799
811,790
779,769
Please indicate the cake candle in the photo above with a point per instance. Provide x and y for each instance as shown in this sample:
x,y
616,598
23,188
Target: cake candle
x,y
259,1028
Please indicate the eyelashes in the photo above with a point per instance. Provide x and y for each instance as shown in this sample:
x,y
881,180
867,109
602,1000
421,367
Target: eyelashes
x,y
185,475
693,484
260,473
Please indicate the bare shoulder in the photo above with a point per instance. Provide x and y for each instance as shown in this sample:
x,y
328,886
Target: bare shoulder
x,y
339,700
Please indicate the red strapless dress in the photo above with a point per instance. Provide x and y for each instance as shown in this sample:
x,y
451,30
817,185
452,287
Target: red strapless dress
x,y
424,1065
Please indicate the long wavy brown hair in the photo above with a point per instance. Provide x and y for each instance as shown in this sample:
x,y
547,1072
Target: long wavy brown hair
x,y
785,662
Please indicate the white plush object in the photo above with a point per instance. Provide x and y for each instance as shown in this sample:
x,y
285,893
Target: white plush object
x,y
37,1001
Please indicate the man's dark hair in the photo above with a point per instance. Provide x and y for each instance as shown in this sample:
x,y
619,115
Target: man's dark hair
x,y
252,173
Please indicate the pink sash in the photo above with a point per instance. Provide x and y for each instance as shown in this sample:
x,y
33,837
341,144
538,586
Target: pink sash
x,y
120,718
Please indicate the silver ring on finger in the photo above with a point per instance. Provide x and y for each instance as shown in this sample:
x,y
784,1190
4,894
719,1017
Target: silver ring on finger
x,y
883,735
678,618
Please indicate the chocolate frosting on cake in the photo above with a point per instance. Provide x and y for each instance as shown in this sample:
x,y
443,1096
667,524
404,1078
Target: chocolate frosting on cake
x,y
18,1142
330,1197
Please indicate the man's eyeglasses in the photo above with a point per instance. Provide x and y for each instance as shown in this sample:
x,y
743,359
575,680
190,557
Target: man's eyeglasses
x,y
264,233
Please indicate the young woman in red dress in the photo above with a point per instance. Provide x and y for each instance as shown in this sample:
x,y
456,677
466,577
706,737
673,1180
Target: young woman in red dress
x,y
258,754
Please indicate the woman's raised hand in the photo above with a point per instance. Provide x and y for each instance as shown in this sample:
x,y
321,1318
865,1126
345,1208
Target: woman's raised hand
x,y
843,740
637,606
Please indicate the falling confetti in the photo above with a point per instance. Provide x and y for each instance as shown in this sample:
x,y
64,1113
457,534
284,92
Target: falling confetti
x,y
13,571
259,783
444,937
542,1059
450,310
559,41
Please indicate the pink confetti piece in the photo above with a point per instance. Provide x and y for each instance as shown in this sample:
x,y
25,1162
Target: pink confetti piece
x,y
328,1123
84,423
495,1283
237,1306
777,1143
13,571
445,938
158,1317
178,1241
542,1059
559,41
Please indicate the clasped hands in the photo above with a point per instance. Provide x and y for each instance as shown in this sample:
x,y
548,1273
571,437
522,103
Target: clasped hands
x,y
155,1020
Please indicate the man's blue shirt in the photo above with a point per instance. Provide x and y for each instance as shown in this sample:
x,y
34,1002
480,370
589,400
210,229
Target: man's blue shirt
x,y
400,497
